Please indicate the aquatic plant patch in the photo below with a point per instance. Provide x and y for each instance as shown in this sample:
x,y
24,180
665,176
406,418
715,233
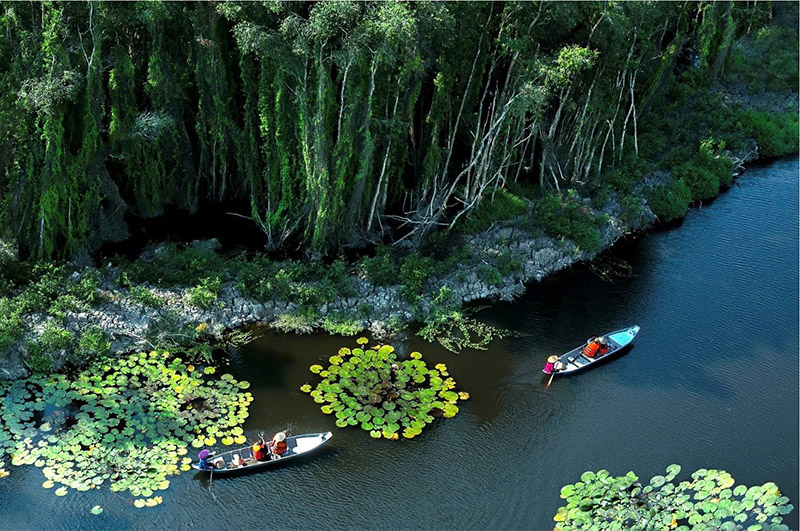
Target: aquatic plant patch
x,y
127,423
373,389
709,500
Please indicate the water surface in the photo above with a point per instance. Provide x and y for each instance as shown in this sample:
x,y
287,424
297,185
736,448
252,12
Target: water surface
x,y
712,382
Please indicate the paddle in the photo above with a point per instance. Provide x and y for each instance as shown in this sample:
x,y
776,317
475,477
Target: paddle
x,y
552,374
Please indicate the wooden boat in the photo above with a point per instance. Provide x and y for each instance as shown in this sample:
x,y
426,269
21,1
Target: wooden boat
x,y
241,459
575,360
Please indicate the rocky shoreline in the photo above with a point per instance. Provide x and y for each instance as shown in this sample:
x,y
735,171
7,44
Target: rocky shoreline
x,y
127,323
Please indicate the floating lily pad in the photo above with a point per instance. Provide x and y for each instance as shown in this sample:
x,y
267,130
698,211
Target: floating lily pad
x,y
96,509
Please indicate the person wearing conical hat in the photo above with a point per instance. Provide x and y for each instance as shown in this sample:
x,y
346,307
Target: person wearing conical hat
x,y
278,444
549,367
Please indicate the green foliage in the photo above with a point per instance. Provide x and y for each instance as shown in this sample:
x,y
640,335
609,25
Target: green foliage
x,y
567,217
382,394
300,322
92,344
146,296
766,61
489,275
775,133
136,420
624,178
380,269
706,171
708,499
342,324
414,271
204,294
670,201
10,322
177,265
501,205
54,337
37,361
507,264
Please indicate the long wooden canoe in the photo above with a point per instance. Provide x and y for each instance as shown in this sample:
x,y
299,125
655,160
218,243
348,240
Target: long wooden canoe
x,y
575,360
241,459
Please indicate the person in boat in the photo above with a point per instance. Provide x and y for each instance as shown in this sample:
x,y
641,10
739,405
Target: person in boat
x,y
278,444
205,459
550,366
591,348
258,452
602,350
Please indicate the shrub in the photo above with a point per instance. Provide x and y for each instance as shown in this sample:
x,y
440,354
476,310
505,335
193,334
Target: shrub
x,y
490,275
54,337
341,324
624,178
566,217
416,269
253,277
507,264
671,201
775,134
339,279
10,323
177,265
500,205
146,297
298,322
38,361
204,294
380,269
92,343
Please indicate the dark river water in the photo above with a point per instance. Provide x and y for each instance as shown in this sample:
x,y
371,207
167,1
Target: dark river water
x,y
711,382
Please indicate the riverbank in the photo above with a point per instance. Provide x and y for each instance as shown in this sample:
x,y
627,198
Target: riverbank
x,y
129,307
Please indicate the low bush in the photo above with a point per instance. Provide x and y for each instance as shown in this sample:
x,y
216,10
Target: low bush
x,y
205,293
490,275
10,323
54,337
177,265
380,269
92,344
414,271
775,134
566,217
707,171
341,324
146,297
670,201
500,205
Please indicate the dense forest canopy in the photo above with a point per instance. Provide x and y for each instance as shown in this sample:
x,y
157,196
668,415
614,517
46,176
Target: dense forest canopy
x,y
339,123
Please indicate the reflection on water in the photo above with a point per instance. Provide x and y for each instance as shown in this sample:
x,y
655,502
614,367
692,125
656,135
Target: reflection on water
x,y
711,382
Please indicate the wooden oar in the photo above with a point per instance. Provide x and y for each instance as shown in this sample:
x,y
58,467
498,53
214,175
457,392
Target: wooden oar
x,y
552,374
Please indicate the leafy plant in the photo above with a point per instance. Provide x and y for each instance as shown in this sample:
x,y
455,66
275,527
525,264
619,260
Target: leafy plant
x,y
670,201
147,297
380,269
204,294
128,424
339,323
708,500
92,344
54,337
386,396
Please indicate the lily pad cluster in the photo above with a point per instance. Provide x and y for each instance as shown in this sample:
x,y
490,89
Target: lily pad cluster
x,y
710,500
373,389
126,423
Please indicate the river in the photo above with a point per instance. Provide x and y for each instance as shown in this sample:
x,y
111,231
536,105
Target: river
x,y
711,382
